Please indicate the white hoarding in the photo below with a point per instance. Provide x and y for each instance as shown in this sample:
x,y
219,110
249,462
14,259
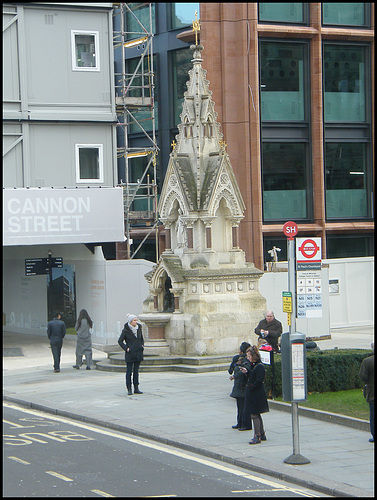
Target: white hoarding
x,y
44,215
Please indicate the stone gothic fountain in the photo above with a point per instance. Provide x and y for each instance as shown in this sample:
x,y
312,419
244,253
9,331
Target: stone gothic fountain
x,y
204,297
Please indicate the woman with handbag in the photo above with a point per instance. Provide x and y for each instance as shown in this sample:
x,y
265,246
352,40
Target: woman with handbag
x,y
255,396
132,342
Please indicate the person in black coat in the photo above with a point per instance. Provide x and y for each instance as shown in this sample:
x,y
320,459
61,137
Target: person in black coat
x,y
239,387
132,342
255,396
238,391
56,332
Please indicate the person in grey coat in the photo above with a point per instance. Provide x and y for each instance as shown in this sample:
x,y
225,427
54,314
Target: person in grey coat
x,y
132,342
84,340
56,333
255,396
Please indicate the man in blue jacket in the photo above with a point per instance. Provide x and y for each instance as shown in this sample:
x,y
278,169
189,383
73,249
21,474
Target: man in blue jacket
x,y
56,334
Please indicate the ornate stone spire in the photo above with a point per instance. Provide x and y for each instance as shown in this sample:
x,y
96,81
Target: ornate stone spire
x,y
199,176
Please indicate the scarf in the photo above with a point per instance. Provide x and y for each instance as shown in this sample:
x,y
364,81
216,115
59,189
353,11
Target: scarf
x,y
133,329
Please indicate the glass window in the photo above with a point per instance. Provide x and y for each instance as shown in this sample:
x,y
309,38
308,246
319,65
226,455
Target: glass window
x,y
284,181
344,14
346,183
89,163
85,54
139,78
355,245
344,75
183,14
138,19
181,64
282,81
281,12
274,241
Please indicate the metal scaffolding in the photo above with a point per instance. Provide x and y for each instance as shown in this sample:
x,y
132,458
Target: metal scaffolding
x,y
134,94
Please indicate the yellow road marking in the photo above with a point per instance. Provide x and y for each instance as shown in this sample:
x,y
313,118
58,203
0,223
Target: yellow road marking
x,y
59,476
162,448
102,493
19,460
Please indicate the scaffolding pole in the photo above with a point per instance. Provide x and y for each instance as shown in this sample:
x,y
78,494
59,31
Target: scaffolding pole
x,y
134,92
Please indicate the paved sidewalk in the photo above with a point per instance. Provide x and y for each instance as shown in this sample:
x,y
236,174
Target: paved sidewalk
x,y
194,412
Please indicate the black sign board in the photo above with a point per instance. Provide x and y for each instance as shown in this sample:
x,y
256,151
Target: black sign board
x,y
35,267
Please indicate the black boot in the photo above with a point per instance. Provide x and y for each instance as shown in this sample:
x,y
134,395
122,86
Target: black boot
x,y
136,391
129,391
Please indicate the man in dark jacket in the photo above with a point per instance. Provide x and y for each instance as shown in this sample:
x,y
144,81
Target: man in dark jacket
x,y
56,333
367,376
270,330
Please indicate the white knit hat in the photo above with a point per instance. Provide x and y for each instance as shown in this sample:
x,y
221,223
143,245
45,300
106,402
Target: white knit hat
x,y
130,317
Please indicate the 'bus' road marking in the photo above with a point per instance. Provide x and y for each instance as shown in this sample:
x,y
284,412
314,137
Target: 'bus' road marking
x,y
59,476
162,448
19,460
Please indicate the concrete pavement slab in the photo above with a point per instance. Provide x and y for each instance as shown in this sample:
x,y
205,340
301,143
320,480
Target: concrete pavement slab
x,y
194,412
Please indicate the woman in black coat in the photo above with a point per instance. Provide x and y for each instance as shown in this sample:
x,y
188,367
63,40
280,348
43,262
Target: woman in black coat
x,y
255,396
132,342
238,391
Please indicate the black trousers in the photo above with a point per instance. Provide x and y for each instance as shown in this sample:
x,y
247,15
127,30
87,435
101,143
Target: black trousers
x,y
243,419
56,348
132,367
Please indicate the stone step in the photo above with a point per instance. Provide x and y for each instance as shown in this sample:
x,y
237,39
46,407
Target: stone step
x,y
106,365
118,359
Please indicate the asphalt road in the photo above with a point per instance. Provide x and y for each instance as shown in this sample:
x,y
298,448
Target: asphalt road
x,y
46,456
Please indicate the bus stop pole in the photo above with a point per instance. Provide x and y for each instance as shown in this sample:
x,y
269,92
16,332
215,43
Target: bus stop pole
x,y
296,458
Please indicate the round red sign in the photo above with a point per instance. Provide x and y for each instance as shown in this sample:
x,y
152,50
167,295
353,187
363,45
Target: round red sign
x,y
290,229
309,249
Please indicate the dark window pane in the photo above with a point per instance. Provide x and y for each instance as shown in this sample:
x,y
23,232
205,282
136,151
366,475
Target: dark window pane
x,y
283,12
282,81
137,18
89,163
345,14
183,14
139,85
269,242
284,181
339,247
346,185
85,51
344,83
181,64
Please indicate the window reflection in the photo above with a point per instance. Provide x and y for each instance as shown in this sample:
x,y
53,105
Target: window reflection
x,y
284,181
346,193
181,64
344,83
281,12
183,14
282,81
346,14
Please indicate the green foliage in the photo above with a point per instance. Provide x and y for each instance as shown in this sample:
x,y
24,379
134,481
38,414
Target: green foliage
x,y
329,370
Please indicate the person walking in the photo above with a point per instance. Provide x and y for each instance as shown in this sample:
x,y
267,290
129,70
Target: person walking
x,y
270,329
84,340
255,395
56,332
132,342
366,374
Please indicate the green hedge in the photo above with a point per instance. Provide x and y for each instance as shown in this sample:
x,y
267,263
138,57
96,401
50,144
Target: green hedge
x,y
330,370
